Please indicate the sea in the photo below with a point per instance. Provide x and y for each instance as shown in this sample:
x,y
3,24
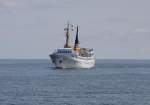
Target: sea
x,y
110,82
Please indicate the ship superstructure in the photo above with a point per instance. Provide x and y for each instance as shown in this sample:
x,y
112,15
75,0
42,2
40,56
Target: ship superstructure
x,y
73,56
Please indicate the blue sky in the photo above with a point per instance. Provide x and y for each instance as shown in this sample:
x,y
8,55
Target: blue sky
x,y
116,29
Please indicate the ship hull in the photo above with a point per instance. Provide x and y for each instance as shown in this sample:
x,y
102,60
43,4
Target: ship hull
x,y
72,62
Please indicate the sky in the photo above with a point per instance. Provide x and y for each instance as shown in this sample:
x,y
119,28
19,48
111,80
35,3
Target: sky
x,y
115,29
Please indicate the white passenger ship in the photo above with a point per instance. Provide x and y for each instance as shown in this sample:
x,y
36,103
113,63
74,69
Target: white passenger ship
x,y
73,57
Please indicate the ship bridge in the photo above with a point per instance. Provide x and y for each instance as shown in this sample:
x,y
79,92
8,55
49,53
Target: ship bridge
x,y
64,50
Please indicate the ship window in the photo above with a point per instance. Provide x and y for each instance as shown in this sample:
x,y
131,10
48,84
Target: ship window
x,y
64,51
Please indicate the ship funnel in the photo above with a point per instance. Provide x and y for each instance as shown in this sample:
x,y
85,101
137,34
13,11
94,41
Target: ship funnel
x,y
77,44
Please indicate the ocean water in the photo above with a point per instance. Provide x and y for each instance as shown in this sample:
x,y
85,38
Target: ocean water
x,y
111,82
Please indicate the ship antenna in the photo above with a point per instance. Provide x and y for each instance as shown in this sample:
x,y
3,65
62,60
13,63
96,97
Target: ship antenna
x,y
68,39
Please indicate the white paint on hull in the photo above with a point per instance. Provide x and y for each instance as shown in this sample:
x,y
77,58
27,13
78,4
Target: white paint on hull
x,y
74,62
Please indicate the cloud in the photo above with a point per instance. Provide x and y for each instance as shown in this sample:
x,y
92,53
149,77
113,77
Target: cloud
x,y
141,30
8,3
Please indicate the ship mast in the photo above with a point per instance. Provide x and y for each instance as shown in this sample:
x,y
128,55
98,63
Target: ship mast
x,y
68,40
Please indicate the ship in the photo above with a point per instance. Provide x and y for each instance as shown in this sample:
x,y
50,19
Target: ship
x,y
73,56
